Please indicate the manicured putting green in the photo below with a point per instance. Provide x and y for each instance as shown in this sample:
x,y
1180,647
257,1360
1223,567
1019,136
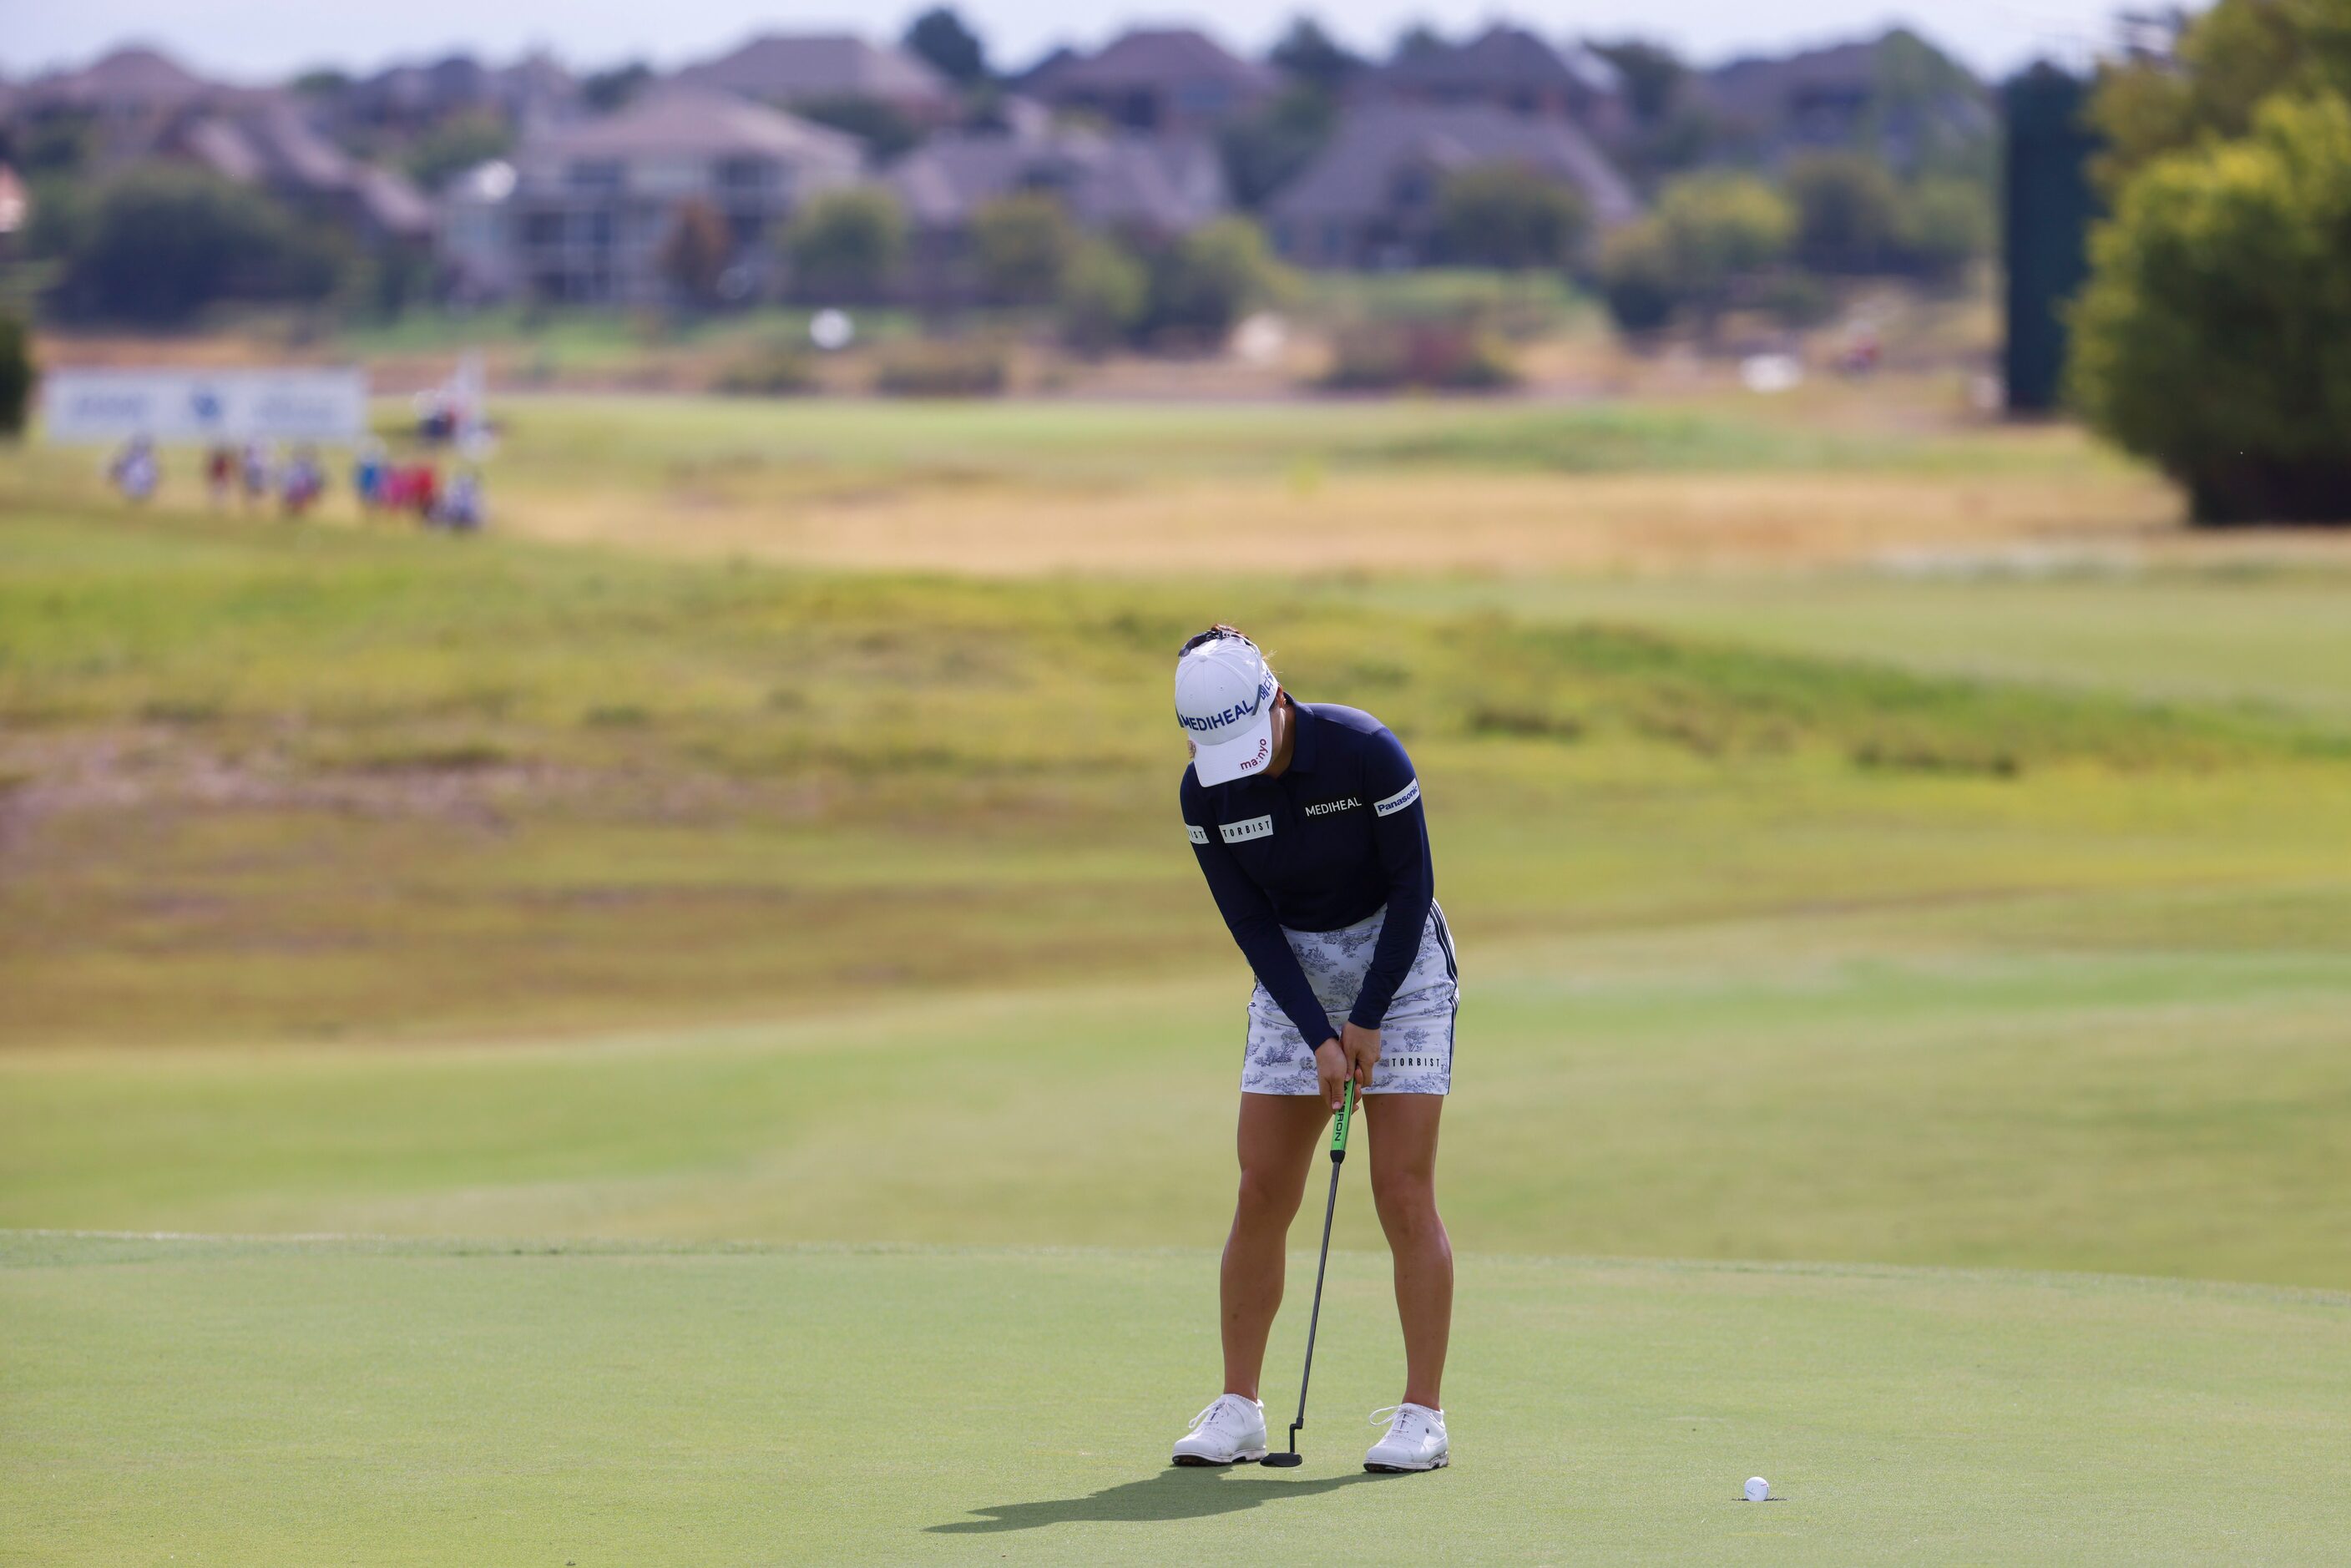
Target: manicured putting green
x,y
253,1403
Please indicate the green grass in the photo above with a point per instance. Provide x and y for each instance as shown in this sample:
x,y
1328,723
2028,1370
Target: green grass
x,y
1984,1085
805,963
2262,636
385,784
259,1403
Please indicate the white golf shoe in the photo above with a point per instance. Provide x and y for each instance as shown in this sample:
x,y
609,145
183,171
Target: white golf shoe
x,y
1229,1432
1416,1439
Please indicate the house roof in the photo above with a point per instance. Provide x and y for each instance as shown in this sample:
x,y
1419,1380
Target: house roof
x,y
1167,183
787,65
1759,88
1501,59
1151,56
263,138
392,201
132,79
693,121
1352,177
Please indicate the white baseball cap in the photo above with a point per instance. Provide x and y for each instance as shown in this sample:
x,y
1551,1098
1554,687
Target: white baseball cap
x,y
1224,698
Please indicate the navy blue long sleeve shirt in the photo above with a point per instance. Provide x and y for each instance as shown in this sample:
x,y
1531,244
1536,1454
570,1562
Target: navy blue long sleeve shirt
x,y
1338,837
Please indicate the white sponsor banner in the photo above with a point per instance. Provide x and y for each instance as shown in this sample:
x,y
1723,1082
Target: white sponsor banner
x,y
99,407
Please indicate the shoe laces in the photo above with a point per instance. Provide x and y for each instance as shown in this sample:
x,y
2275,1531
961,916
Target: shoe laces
x,y
1398,1417
1214,1406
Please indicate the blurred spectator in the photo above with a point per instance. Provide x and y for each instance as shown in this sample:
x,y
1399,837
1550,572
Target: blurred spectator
x,y
1861,351
436,418
258,464
134,470
368,471
460,510
302,482
220,473
412,487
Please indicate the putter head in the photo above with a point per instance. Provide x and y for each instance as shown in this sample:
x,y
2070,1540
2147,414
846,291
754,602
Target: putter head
x,y
1282,1462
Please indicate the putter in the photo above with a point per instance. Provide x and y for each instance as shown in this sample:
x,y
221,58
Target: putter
x,y
1331,1206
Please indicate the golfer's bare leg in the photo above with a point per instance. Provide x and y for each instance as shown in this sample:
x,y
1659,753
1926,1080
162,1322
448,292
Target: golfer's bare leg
x,y
1276,1138
1403,1189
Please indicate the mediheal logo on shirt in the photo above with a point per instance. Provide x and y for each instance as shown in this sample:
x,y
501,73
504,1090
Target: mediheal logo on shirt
x,y
1324,808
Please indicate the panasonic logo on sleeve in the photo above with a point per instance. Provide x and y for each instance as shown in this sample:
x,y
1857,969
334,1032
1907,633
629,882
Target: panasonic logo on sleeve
x,y
1399,800
1255,828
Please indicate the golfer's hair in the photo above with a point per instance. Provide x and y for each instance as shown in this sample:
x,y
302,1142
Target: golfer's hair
x,y
1222,629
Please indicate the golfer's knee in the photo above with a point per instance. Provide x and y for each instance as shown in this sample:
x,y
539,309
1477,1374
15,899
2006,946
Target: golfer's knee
x,y
1266,1198
1407,1206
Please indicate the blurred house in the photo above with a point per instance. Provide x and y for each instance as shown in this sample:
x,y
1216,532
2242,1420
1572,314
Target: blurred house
x,y
1170,80
126,95
474,239
263,138
1510,69
787,69
1146,187
1372,197
411,98
590,204
1895,96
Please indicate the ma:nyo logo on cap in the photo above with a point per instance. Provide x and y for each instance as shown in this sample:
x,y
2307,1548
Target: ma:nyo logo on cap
x,y
1209,724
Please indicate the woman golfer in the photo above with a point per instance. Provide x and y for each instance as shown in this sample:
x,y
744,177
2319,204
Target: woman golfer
x,y
1307,821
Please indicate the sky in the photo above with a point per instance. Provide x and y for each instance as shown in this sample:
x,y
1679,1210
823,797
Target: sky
x,y
258,40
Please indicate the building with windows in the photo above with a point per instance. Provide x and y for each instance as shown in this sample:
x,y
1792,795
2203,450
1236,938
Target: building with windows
x,y
591,202
1510,69
788,69
1169,80
1146,188
1373,198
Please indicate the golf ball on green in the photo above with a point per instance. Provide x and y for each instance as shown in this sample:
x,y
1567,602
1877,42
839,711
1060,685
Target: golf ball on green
x,y
1757,1488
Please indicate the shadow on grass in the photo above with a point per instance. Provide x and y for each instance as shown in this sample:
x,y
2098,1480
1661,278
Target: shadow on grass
x,y
1175,1493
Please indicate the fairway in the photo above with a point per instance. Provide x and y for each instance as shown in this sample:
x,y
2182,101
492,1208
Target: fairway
x,y
683,1030
254,1403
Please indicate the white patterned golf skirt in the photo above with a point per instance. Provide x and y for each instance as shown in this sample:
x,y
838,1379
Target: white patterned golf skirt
x,y
1415,1038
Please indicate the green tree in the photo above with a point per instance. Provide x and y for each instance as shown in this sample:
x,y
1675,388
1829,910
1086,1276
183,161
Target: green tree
x,y
62,142
882,126
1419,41
457,143
1638,277
1307,54
1708,235
2214,336
1202,285
1653,76
159,241
1944,223
695,251
845,245
2228,61
939,39
608,90
1509,216
1265,147
1020,247
1848,212
17,374
1103,295
1722,226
